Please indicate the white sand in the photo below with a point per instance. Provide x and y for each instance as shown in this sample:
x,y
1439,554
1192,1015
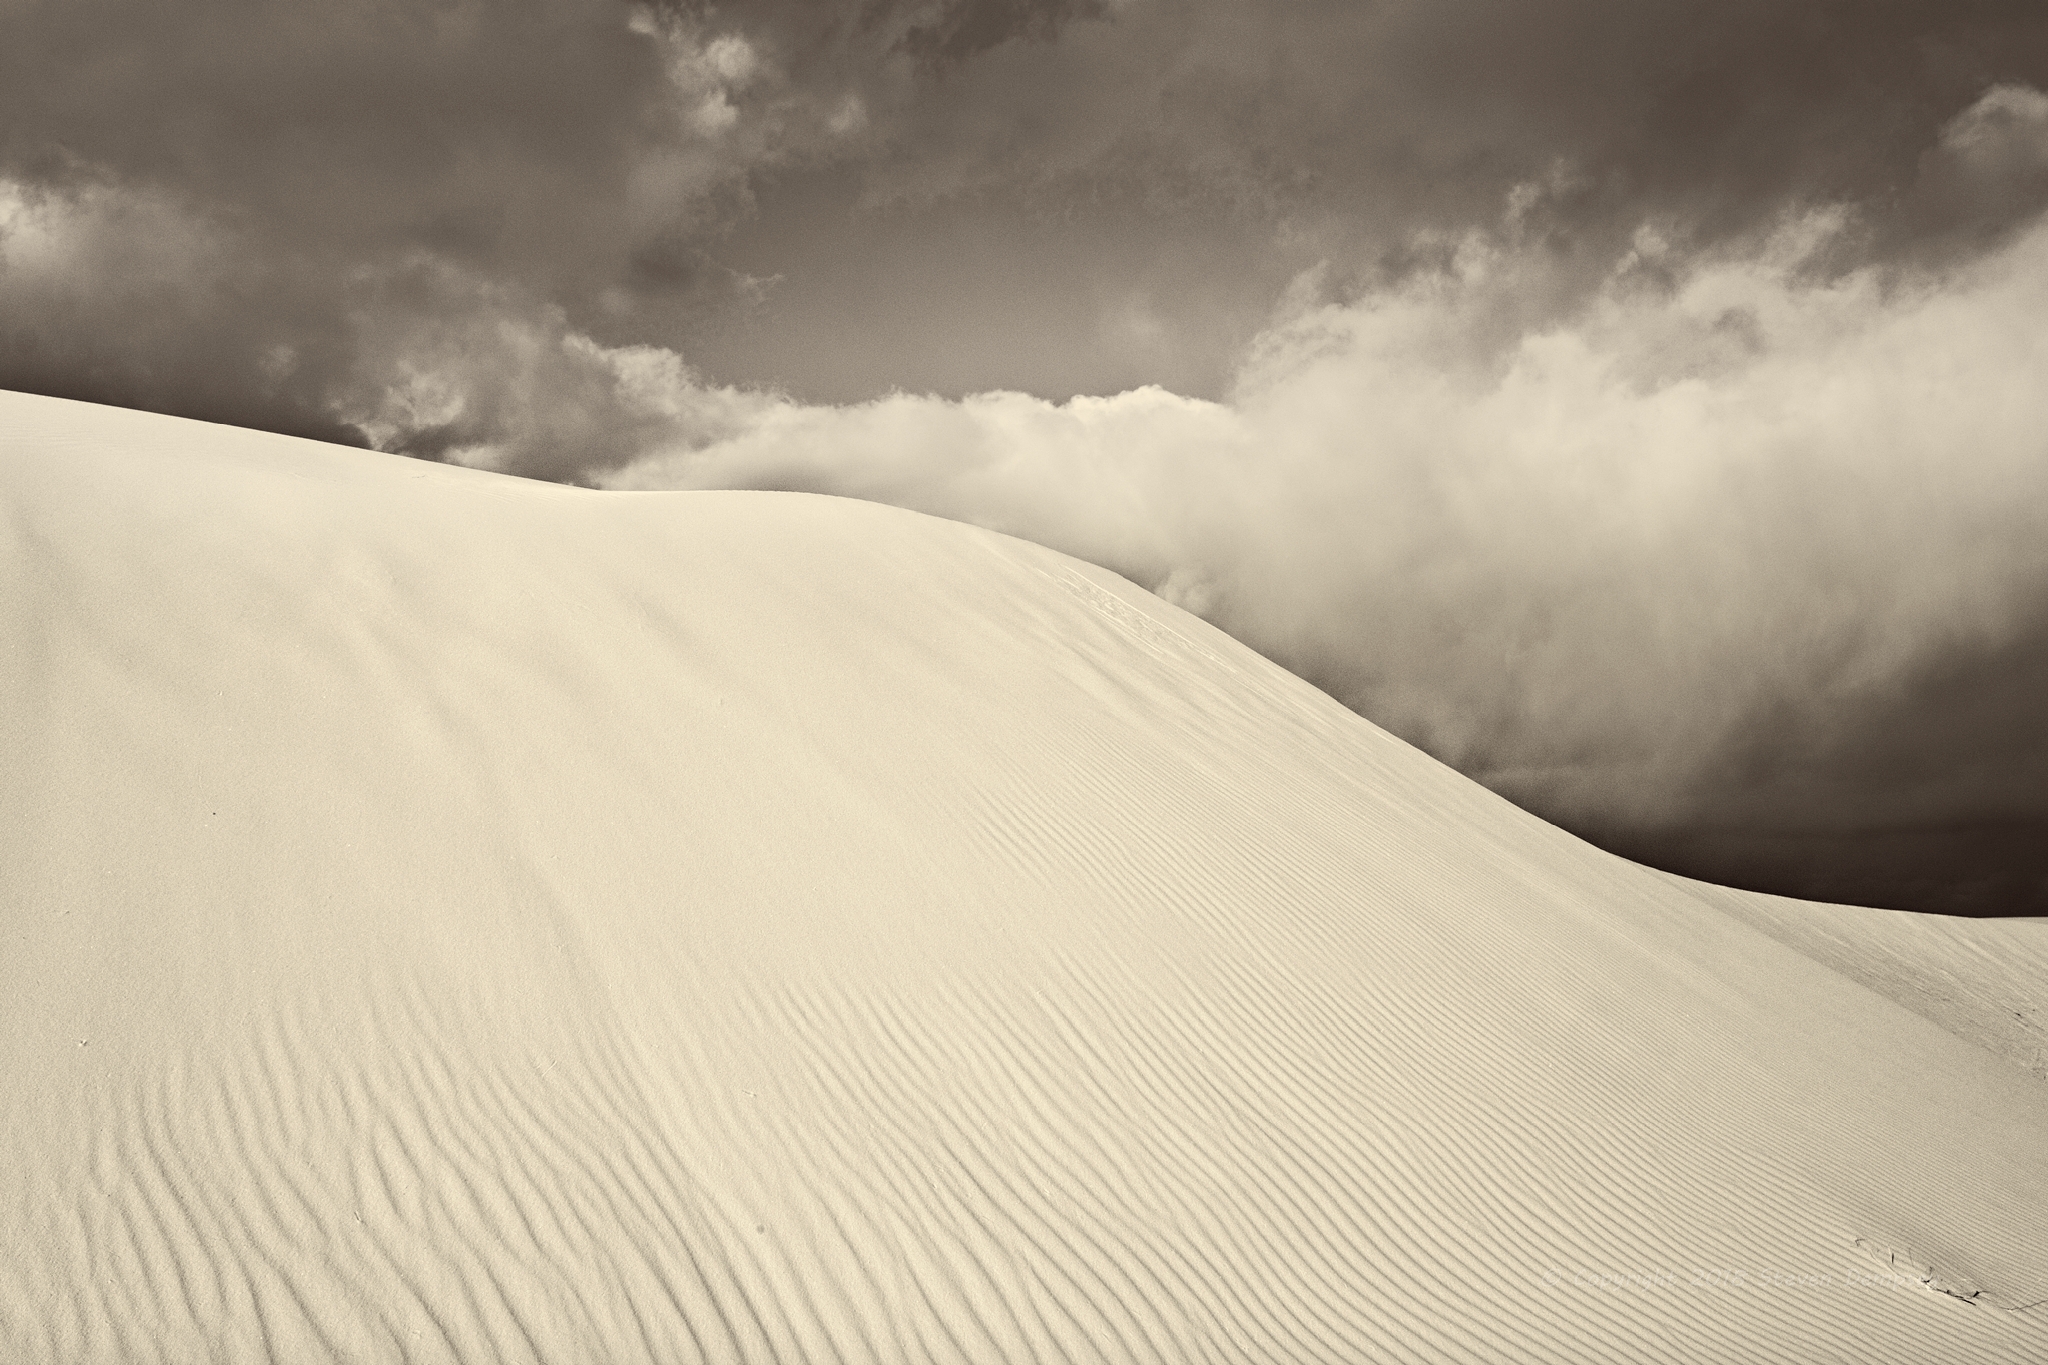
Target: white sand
x,y
451,918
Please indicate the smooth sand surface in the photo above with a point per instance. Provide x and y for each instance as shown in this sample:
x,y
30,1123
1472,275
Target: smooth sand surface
x,y
444,917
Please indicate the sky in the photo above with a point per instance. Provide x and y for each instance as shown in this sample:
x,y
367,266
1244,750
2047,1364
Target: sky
x,y
1636,404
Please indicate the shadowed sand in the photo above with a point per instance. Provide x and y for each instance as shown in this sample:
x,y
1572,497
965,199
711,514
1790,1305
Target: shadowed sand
x,y
444,917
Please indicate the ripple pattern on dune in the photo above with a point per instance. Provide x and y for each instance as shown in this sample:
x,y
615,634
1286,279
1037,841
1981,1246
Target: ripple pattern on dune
x,y
1084,1166
859,938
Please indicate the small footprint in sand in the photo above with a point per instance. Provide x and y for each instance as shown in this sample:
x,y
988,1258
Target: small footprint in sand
x,y
1927,1277
1923,1274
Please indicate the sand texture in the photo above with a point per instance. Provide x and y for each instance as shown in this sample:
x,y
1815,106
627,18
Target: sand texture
x,y
450,918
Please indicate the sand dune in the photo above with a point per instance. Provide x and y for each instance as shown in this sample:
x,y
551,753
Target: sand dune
x,y
454,918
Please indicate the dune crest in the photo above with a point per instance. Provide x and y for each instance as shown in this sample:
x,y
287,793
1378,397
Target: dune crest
x,y
449,918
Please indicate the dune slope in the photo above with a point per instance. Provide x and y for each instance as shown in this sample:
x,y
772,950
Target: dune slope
x,y
452,918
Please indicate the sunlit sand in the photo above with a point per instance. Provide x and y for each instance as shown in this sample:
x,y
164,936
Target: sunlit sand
x,y
445,917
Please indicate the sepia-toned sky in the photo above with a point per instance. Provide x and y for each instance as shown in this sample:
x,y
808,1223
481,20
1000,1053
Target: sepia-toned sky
x,y
1640,405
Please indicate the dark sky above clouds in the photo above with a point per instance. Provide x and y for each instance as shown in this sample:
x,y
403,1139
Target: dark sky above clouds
x,y
1631,401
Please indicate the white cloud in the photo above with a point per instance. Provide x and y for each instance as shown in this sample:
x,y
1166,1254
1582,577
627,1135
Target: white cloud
x,y
2009,123
1573,559
732,59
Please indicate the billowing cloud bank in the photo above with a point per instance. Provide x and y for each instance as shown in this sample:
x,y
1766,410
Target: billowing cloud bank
x,y
1579,560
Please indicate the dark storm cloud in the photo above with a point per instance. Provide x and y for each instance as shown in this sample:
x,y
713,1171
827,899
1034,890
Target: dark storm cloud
x,y
117,296
215,206
1924,793
499,135
954,31
1234,146
590,156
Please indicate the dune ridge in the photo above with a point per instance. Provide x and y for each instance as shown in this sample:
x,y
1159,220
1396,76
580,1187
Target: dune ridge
x,y
450,918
